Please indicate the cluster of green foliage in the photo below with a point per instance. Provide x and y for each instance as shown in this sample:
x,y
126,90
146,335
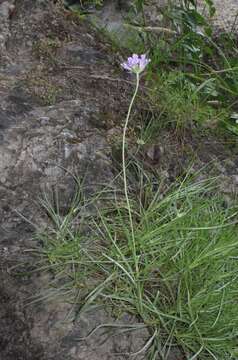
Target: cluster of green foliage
x,y
206,62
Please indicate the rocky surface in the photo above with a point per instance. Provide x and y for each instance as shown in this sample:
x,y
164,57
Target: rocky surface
x,y
57,104
61,98
226,17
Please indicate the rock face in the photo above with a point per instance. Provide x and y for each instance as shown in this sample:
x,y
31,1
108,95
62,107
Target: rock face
x,y
60,95
226,17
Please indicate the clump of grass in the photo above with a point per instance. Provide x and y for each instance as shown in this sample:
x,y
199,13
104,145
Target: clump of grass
x,y
179,105
182,283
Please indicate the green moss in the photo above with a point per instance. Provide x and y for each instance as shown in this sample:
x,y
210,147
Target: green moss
x,y
42,87
45,49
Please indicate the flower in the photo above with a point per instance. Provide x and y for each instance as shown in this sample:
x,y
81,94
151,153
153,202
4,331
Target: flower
x,y
136,63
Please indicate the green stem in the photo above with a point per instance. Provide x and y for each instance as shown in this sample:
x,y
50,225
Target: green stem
x,y
124,171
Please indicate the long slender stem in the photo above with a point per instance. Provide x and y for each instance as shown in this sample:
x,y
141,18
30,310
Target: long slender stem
x,y
124,171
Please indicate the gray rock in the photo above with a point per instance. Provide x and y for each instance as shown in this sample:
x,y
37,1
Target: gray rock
x,y
48,138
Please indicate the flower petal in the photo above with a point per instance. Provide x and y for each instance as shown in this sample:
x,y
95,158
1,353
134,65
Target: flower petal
x,y
136,63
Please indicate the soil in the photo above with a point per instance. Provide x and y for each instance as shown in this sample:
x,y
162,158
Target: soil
x,y
62,95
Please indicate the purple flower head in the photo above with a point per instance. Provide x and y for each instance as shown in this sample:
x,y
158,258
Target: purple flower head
x,y
136,63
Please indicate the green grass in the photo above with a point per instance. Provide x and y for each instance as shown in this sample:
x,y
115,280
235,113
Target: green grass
x,y
185,287
179,104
